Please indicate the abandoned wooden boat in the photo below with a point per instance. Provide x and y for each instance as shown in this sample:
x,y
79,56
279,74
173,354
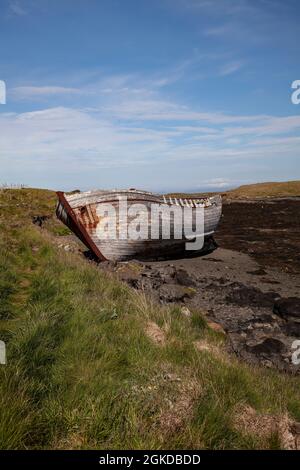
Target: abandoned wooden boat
x,y
83,214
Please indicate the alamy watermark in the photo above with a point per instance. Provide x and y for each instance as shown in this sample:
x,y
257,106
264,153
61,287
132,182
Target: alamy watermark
x,y
2,352
296,94
296,352
2,92
140,221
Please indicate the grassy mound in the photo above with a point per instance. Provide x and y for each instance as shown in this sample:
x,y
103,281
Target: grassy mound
x,y
262,190
92,364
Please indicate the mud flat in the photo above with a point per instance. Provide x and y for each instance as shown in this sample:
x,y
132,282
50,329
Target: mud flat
x,y
267,229
249,287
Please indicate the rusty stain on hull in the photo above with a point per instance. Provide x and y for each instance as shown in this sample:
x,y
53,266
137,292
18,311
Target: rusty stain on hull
x,y
79,213
76,225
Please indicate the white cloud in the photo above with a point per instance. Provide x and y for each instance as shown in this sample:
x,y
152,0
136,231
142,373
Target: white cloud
x,y
133,125
155,109
220,183
29,92
63,135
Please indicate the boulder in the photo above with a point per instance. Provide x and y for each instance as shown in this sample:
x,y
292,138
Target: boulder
x,y
184,279
267,346
173,293
251,296
127,273
292,328
40,219
287,307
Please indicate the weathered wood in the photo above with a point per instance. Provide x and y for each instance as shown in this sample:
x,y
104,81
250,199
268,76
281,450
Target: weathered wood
x,y
79,213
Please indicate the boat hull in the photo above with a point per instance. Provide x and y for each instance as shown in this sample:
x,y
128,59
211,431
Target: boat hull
x,y
80,212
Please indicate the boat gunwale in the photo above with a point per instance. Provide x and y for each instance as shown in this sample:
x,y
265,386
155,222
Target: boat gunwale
x,y
82,199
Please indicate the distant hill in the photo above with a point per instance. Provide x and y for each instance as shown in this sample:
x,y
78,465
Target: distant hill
x,y
257,190
261,190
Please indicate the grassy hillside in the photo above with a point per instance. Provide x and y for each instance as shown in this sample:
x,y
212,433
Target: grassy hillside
x,y
261,190
258,190
91,364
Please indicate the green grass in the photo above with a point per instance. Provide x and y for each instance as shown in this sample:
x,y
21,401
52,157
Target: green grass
x,y
81,371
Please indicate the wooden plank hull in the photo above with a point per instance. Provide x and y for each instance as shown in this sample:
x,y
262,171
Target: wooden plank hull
x,y
80,212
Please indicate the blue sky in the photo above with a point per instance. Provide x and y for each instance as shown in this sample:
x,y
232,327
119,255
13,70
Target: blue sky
x,y
160,94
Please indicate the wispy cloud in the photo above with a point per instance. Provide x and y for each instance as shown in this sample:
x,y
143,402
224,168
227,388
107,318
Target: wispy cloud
x,y
15,8
106,138
228,8
220,183
245,21
231,67
121,120
136,135
28,92
219,30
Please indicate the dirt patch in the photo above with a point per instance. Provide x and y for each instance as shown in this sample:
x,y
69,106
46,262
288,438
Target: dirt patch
x,y
25,283
169,399
72,442
247,420
216,327
203,345
181,409
155,333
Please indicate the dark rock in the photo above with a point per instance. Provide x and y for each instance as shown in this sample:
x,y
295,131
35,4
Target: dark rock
x,y
40,219
173,293
267,346
251,296
214,260
258,272
292,328
270,281
263,318
167,273
128,274
289,307
184,279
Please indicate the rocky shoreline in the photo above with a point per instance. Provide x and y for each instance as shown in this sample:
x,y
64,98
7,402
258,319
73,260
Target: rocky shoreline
x,y
250,293
260,323
248,287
